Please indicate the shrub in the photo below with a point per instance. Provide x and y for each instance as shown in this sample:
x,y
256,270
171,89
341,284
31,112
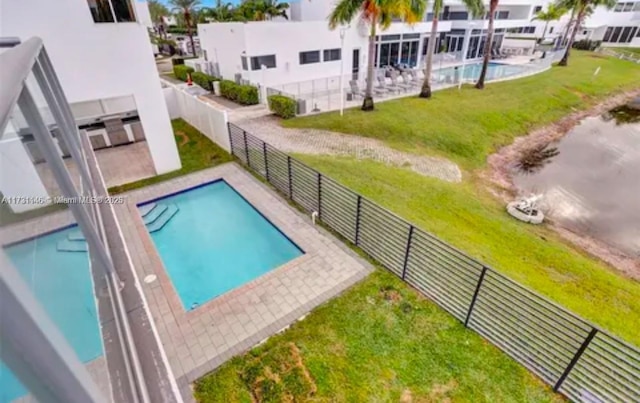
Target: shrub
x,y
282,106
586,44
204,80
242,94
181,71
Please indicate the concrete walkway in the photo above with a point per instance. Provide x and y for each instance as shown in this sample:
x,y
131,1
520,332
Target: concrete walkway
x,y
322,142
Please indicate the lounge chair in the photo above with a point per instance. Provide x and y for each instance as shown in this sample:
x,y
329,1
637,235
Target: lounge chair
x,y
410,79
403,86
389,87
355,90
379,90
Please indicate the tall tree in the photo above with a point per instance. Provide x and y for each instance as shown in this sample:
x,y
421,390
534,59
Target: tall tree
x,y
582,9
493,6
158,11
375,13
474,6
187,8
222,12
553,13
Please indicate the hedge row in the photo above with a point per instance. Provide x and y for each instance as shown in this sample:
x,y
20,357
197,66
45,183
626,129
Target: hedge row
x,y
204,80
242,94
282,106
181,71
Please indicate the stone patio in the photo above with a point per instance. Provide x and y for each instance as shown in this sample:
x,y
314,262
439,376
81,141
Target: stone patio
x,y
198,341
115,163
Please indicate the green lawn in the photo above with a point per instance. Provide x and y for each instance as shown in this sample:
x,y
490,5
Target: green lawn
x,y
196,152
466,126
379,341
471,219
627,50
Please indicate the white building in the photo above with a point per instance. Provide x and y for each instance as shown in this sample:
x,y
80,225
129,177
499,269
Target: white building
x,y
304,48
105,63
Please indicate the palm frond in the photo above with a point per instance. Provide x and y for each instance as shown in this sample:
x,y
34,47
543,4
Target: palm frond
x,y
345,11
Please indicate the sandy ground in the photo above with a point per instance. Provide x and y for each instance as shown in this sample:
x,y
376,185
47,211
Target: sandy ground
x,y
502,163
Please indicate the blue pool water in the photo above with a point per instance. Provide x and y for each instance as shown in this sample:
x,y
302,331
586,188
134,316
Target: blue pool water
x,y
61,281
472,71
216,242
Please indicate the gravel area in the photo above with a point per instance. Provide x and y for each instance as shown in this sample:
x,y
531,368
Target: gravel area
x,y
321,142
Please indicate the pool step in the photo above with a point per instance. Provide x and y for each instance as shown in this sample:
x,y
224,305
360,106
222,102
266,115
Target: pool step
x,y
159,222
146,209
72,246
154,214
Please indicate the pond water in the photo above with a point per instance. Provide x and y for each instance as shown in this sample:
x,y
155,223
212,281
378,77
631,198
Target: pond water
x,y
592,183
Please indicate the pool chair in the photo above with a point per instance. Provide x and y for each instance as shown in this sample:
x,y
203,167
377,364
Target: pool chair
x,y
382,83
401,85
379,90
355,90
410,79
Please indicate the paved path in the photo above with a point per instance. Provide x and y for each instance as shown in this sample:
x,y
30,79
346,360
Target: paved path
x,y
322,142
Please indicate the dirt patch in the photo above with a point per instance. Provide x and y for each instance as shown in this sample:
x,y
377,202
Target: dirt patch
x,y
390,294
439,392
279,375
502,164
184,139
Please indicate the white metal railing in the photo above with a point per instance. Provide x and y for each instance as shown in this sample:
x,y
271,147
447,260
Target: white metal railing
x,y
33,348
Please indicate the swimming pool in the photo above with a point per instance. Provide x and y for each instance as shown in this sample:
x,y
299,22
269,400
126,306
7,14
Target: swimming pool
x,y
62,282
215,241
472,71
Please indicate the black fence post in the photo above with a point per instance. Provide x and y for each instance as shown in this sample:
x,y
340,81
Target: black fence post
x,y
266,160
319,195
246,147
230,137
475,295
358,220
575,358
290,181
406,252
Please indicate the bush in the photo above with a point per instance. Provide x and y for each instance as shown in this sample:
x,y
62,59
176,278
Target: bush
x,y
181,71
586,44
282,106
178,30
242,94
204,80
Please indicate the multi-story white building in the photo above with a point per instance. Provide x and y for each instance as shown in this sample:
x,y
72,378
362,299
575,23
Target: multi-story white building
x,y
304,48
104,60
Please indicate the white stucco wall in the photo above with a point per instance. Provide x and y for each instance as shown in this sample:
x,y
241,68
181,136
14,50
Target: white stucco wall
x,y
96,61
142,13
224,43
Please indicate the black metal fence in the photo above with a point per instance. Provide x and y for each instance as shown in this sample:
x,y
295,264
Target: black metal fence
x,y
575,357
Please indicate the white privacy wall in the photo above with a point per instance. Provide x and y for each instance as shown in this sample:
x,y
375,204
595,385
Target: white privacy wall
x,y
210,121
98,60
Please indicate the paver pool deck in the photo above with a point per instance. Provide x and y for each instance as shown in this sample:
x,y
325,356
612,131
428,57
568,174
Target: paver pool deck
x,y
198,341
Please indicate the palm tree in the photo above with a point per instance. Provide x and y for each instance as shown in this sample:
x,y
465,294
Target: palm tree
x,y
581,8
374,13
475,6
554,12
158,11
276,9
187,8
222,12
493,5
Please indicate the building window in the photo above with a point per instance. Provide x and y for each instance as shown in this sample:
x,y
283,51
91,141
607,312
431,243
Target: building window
x,y
330,55
626,7
312,56
537,9
551,30
268,61
245,66
457,16
502,15
112,10
529,30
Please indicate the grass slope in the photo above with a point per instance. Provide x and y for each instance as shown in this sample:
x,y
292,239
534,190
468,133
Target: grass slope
x,y
379,341
466,126
471,220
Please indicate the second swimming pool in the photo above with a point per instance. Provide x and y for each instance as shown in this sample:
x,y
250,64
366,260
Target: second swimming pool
x,y
472,71
215,241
